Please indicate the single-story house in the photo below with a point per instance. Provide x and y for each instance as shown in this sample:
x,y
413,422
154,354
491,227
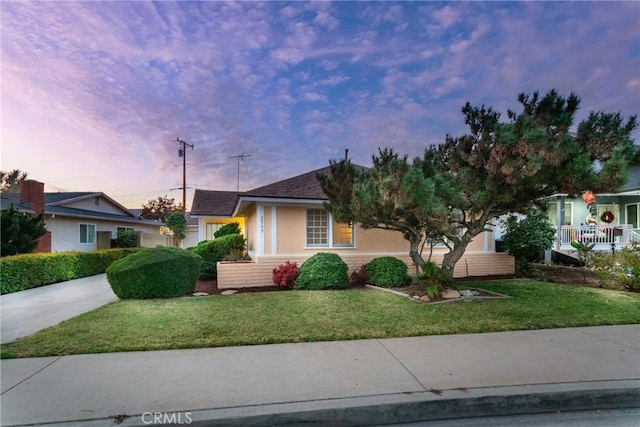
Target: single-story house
x,y
286,221
606,219
81,221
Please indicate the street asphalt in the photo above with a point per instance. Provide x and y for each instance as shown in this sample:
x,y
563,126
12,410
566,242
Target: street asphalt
x,y
343,383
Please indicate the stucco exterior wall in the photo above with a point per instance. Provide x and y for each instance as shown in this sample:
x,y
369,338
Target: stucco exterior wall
x,y
65,232
291,233
283,230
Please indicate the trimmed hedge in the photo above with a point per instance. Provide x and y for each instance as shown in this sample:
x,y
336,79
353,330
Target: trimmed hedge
x,y
323,270
387,272
20,272
160,272
216,250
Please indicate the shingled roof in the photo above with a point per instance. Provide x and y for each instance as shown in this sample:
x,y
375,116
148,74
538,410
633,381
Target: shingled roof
x,y
214,203
224,203
305,186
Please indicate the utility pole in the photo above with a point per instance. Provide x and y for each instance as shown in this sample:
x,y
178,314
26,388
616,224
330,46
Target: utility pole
x,y
182,152
241,156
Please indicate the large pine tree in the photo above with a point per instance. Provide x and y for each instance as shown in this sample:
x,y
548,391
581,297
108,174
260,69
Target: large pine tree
x,y
499,167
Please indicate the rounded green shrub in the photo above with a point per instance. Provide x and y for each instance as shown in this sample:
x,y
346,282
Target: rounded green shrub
x,y
159,272
323,271
387,272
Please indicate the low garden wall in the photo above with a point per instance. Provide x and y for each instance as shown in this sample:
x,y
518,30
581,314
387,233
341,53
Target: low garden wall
x,y
234,275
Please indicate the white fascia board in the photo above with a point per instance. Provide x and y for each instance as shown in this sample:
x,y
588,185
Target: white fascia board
x,y
242,200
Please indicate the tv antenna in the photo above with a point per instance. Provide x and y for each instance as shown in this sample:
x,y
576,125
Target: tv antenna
x,y
182,152
239,157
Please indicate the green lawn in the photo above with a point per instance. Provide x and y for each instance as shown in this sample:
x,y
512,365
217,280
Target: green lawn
x,y
298,316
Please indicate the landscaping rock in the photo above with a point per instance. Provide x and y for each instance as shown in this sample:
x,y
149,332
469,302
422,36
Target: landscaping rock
x,y
450,294
425,298
200,294
229,292
466,293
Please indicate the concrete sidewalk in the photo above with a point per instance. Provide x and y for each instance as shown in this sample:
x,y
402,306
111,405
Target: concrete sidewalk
x,y
363,382
23,313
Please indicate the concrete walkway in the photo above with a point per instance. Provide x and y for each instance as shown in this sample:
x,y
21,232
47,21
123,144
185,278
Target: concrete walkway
x,y
23,313
364,382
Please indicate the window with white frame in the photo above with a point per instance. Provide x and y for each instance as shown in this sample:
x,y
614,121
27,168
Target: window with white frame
x,y
552,212
324,231
87,233
342,234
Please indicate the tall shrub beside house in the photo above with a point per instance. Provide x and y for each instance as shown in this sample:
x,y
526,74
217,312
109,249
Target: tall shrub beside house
x,y
213,251
225,230
527,238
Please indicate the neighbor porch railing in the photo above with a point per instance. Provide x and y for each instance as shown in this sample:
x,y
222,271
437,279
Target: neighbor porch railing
x,y
599,234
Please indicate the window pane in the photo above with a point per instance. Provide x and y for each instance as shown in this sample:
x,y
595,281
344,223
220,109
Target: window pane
x,y
87,233
316,227
552,212
632,215
91,230
342,234
83,233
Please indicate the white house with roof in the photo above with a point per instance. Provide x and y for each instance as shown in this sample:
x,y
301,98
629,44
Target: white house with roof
x,y
605,219
81,221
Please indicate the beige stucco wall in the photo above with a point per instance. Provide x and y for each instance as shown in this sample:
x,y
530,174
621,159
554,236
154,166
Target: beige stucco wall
x,y
292,233
65,232
289,236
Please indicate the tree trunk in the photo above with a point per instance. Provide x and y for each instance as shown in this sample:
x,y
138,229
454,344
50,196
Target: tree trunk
x,y
460,246
414,253
452,257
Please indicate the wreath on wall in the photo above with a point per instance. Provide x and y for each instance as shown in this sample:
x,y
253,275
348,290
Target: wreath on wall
x,y
607,217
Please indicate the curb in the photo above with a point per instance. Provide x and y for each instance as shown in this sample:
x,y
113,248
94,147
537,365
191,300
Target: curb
x,y
433,405
445,409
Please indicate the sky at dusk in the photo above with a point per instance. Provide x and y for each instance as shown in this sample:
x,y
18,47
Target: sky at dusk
x,y
94,94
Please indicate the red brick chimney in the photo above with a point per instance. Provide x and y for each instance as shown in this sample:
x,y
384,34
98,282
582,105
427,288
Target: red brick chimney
x,y
32,193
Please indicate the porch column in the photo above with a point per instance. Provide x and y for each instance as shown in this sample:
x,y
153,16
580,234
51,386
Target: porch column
x,y
260,230
274,230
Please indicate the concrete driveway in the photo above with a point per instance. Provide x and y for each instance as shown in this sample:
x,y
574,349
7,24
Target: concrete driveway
x,y
23,313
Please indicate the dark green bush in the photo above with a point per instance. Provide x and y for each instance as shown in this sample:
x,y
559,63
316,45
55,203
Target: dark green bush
x,y
216,250
323,271
225,230
21,272
159,272
127,239
388,272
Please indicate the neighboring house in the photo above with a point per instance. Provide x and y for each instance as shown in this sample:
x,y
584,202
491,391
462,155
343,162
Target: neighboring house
x,y
610,219
286,221
81,221
192,235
